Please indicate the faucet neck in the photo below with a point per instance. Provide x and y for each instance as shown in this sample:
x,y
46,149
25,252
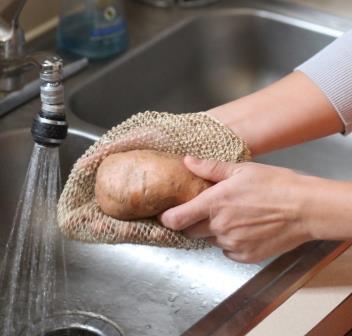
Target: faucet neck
x,y
10,11
13,46
11,35
12,51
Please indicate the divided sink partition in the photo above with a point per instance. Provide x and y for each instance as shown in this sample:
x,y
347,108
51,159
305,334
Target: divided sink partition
x,y
194,65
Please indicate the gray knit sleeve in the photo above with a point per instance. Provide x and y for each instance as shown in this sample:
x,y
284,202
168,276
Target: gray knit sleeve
x,y
331,70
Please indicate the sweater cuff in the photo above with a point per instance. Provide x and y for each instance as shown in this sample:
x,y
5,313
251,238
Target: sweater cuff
x,y
331,71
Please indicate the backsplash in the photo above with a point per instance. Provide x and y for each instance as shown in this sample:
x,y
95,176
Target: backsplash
x,y
38,14
336,7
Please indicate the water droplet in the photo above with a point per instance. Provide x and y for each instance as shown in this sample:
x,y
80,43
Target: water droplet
x,y
172,297
216,301
148,326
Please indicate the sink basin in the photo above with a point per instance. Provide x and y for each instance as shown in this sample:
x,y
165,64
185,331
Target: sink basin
x,y
145,290
201,62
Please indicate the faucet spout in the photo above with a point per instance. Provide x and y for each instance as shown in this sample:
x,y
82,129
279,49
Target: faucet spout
x,y
12,43
10,11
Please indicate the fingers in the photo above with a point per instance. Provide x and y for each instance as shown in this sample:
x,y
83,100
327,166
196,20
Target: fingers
x,y
238,256
214,241
210,170
199,230
187,214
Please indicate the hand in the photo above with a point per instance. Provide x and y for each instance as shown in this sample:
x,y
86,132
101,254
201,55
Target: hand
x,y
252,213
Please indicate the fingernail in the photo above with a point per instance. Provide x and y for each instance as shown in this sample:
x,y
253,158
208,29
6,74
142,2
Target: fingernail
x,y
168,220
163,218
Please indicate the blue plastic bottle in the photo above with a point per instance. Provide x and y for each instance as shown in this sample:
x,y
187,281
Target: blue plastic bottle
x,y
93,28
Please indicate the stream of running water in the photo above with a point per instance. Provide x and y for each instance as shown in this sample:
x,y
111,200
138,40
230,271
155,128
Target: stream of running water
x,y
34,252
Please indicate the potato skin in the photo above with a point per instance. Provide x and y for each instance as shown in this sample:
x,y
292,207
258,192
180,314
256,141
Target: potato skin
x,y
143,183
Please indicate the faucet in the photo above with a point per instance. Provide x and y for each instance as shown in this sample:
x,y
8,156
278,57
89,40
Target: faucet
x,y
14,61
49,128
12,46
11,34
18,68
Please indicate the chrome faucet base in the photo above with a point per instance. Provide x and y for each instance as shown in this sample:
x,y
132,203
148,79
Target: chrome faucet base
x,y
16,72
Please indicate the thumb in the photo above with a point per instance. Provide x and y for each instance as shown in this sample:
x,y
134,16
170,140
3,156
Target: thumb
x,y
210,170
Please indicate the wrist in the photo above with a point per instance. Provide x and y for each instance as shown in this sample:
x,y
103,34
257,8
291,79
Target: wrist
x,y
237,116
325,208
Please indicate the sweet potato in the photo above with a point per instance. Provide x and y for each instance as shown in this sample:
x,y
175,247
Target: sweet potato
x,y
143,183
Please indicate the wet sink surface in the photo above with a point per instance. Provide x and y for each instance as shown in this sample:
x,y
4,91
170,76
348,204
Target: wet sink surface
x,y
197,64
145,290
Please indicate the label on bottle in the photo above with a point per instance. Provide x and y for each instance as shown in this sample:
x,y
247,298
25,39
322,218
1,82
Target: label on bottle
x,y
110,13
108,24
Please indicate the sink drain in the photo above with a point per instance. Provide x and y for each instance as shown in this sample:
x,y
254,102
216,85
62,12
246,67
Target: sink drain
x,y
75,331
74,324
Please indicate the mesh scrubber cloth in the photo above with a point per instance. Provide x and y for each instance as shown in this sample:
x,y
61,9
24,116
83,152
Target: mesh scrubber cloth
x,y
195,134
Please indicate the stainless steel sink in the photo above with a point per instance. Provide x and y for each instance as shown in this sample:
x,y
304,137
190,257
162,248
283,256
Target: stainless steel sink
x,y
204,60
200,63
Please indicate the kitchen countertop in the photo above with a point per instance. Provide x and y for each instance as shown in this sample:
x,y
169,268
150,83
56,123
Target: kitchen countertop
x,y
336,7
319,296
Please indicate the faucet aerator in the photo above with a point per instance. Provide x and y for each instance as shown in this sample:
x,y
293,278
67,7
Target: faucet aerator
x,y
49,127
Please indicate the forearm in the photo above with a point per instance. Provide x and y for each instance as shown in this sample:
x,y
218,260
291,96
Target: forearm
x,y
288,112
325,208
310,103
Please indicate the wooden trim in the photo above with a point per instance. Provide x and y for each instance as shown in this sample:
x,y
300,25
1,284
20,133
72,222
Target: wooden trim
x,y
261,295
